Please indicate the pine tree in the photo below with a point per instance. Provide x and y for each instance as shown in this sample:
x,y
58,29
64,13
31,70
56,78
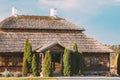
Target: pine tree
x,y
118,64
25,69
81,64
47,65
75,67
34,65
66,63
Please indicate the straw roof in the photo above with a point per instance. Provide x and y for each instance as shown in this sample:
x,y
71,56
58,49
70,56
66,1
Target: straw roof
x,y
45,30
38,22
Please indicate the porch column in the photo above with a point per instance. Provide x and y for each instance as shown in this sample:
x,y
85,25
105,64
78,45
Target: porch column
x,y
61,56
42,55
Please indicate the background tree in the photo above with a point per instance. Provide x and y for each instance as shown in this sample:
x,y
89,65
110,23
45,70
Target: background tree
x,y
66,63
118,65
47,65
81,63
34,65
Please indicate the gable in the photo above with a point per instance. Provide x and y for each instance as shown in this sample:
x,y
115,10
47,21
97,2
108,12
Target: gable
x,y
51,46
56,47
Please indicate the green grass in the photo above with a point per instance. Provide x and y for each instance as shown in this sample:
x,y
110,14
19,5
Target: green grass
x,y
25,78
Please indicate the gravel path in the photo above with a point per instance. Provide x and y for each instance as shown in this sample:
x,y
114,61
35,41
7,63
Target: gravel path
x,y
88,78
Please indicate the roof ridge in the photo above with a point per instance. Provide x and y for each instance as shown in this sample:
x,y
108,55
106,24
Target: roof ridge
x,y
39,17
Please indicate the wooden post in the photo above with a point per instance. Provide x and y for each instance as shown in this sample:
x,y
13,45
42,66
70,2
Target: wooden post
x,y
61,56
41,74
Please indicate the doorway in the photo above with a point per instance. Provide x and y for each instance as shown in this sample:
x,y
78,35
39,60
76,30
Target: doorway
x,y
56,63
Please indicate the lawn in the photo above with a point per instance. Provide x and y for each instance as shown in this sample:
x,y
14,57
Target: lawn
x,y
26,78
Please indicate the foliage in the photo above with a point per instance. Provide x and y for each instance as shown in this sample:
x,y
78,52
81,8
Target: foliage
x,y
47,65
26,48
75,49
116,48
18,74
34,65
81,63
114,55
28,78
118,65
74,56
27,58
66,63
6,73
24,68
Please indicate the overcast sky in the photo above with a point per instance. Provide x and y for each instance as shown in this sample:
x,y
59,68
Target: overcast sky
x,y
100,18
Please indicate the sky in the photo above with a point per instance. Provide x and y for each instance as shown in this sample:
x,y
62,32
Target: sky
x,y
100,18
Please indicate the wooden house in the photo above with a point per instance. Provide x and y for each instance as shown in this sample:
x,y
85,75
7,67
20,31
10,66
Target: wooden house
x,y
47,32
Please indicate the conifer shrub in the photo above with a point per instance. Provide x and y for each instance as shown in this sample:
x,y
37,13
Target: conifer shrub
x,y
78,62
24,68
34,65
81,63
47,65
66,63
27,58
75,59
118,64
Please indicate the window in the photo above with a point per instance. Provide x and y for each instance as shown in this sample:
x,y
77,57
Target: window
x,y
15,61
94,61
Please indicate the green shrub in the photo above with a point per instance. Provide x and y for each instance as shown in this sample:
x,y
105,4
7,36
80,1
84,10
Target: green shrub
x,y
118,64
24,68
27,58
18,74
81,63
66,63
74,57
34,65
6,73
47,65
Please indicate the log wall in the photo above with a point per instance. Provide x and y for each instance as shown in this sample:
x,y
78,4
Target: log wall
x,y
97,61
11,61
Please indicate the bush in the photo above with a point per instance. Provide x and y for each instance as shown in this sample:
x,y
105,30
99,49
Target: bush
x,y
6,73
66,63
47,65
118,64
34,65
24,68
27,58
18,74
75,59
81,63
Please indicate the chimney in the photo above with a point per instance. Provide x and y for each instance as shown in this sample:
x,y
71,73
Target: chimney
x,y
53,12
14,11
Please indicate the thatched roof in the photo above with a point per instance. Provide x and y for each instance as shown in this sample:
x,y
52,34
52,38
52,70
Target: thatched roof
x,y
38,22
13,41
